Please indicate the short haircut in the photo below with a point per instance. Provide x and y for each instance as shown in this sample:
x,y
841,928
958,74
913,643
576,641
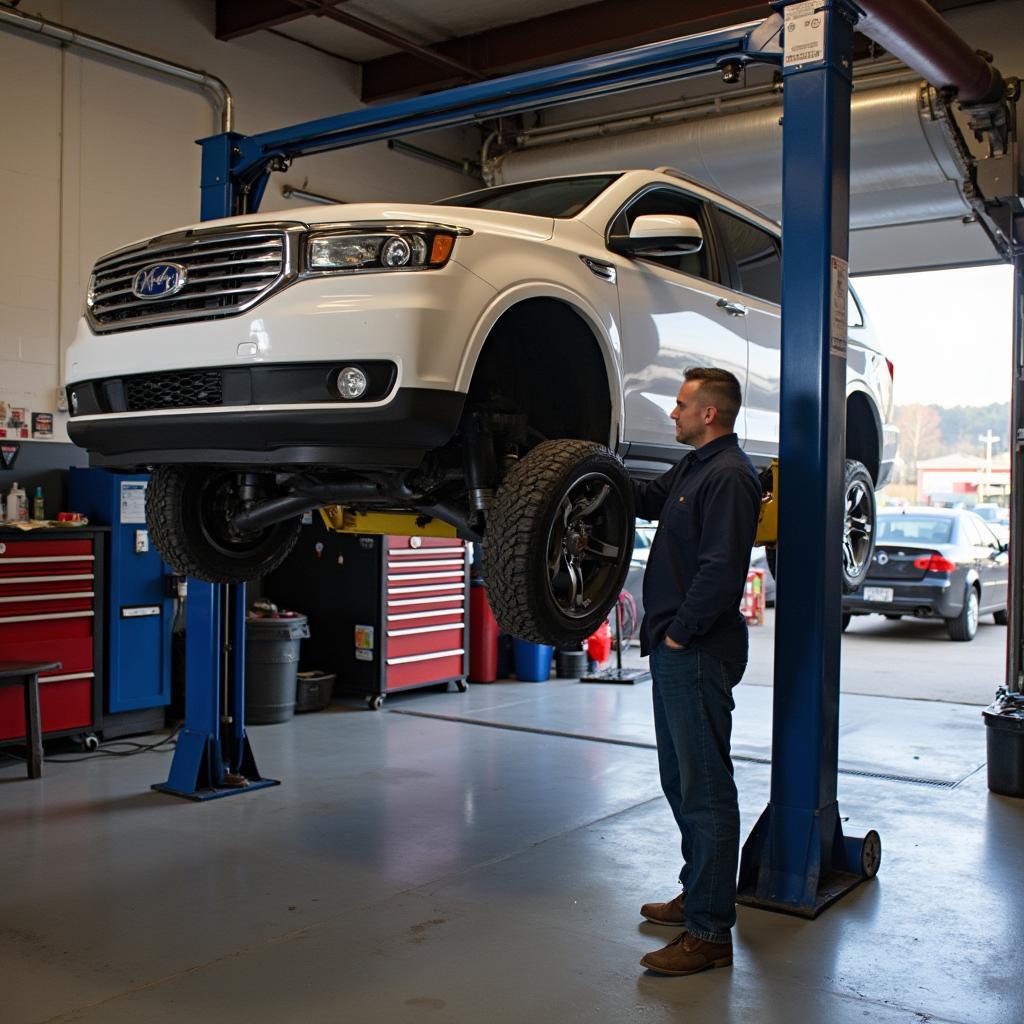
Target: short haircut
x,y
720,389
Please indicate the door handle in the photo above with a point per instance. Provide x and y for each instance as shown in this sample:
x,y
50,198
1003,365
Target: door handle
x,y
732,308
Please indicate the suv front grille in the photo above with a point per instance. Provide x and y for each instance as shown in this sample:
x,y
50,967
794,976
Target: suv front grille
x,y
225,272
173,390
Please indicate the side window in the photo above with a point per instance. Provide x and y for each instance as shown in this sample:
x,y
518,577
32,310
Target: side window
x,y
667,200
755,254
990,539
971,532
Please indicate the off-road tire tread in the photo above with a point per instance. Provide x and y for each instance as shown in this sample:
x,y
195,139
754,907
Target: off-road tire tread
x,y
513,529
166,494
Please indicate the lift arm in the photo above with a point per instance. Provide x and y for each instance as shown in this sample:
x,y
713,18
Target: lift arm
x,y
236,167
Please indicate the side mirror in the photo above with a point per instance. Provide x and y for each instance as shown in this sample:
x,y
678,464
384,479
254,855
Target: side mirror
x,y
659,234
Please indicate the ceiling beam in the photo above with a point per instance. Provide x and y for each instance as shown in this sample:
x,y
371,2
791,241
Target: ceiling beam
x,y
236,18
424,53
600,27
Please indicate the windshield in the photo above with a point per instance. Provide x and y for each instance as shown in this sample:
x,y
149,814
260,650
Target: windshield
x,y
557,197
988,513
914,529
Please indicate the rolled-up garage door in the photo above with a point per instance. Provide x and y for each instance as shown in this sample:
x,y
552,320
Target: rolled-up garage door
x,y
908,171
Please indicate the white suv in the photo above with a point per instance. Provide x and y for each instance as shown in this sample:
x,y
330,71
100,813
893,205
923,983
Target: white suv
x,y
488,360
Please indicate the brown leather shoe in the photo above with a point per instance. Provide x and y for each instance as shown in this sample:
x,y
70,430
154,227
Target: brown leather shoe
x,y
670,913
686,954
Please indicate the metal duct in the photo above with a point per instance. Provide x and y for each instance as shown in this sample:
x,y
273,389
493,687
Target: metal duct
x,y
907,169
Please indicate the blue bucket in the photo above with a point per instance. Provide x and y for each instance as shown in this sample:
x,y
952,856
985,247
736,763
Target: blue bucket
x,y
533,661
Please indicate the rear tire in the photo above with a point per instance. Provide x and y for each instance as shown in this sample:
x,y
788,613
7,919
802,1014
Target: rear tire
x,y
1002,618
187,512
558,542
858,527
859,518
964,626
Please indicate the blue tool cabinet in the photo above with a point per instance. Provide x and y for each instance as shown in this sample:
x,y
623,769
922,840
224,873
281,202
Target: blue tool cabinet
x,y
137,684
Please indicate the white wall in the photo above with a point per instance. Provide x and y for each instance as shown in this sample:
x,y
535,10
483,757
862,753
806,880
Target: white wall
x,y
98,154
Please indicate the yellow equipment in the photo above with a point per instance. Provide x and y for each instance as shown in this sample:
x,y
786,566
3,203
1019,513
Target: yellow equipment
x,y
341,519
768,520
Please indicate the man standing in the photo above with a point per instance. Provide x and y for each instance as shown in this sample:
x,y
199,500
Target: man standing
x,y
707,509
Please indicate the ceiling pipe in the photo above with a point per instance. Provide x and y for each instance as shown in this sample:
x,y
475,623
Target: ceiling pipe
x,y
211,84
918,35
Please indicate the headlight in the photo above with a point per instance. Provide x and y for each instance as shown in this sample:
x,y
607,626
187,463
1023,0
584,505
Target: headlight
x,y
394,249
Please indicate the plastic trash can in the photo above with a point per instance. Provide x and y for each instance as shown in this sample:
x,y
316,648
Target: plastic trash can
x,y
271,667
532,661
1004,741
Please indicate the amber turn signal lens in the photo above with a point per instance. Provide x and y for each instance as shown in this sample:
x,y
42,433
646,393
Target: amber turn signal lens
x,y
441,249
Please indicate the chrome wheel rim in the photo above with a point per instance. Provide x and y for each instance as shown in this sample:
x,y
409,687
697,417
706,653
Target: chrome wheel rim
x,y
972,612
586,543
858,530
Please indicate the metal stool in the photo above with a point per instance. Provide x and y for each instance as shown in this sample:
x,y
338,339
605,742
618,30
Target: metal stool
x,y
27,674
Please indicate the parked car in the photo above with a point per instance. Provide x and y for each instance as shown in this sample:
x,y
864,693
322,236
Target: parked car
x,y
488,360
934,563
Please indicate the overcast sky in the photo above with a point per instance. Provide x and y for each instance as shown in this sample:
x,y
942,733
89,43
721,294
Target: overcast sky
x,y
948,332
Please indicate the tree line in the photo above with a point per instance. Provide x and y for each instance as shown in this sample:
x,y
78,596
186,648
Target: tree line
x,y
928,431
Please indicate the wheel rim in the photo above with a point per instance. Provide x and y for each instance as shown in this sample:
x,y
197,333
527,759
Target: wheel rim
x,y
217,503
972,612
585,546
858,530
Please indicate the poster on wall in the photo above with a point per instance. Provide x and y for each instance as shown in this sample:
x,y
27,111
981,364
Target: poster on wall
x,y
17,422
42,424
9,455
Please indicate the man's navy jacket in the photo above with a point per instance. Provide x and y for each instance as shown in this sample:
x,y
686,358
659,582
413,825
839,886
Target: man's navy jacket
x,y
707,508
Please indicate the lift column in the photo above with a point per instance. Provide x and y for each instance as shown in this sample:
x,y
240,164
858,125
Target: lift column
x,y
213,757
797,859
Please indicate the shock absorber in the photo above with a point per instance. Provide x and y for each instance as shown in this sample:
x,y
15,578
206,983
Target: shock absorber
x,y
480,465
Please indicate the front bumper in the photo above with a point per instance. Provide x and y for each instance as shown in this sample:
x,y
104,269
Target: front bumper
x,y
927,597
393,434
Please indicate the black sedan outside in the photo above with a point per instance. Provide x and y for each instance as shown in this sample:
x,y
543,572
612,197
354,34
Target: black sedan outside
x,y
934,563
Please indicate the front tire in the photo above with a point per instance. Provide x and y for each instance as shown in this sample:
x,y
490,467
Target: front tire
x,y
188,511
558,542
964,626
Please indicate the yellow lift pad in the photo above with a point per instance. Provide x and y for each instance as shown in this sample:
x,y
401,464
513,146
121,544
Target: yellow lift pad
x,y
341,519
768,520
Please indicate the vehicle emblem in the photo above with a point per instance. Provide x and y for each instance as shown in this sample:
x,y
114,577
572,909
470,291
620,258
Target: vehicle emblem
x,y
159,281
882,558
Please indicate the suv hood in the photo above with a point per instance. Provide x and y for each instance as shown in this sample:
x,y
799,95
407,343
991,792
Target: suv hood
x,y
518,224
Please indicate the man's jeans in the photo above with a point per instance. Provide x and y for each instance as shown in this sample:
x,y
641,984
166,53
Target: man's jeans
x,y
693,721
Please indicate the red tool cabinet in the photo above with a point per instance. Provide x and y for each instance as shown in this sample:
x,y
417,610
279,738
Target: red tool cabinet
x,y
385,613
51,601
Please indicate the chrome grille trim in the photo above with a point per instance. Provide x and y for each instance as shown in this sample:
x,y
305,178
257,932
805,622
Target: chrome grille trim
x,y
267,258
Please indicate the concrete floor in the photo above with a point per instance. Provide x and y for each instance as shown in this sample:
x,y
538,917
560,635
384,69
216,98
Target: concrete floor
x,y
423,864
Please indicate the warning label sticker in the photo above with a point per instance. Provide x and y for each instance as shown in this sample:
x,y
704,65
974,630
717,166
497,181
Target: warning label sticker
x,y
133,501
804,40
840,293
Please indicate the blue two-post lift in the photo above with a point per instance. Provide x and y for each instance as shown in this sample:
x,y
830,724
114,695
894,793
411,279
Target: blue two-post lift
x,y
797,859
